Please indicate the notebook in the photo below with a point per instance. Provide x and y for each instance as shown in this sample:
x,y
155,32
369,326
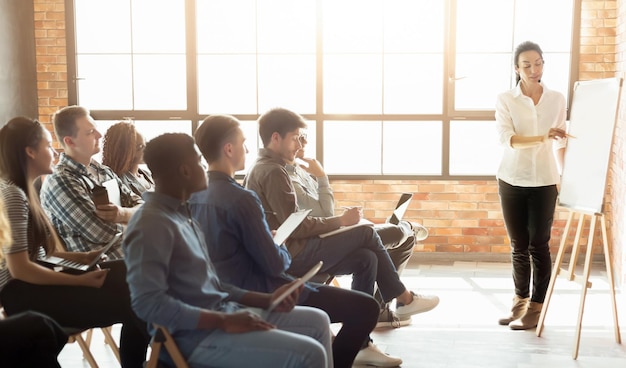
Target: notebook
x,y
290,224
300,281
65,263
401,207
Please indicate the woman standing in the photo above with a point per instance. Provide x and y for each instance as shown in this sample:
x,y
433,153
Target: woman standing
x,y
98,298
530,121
122,151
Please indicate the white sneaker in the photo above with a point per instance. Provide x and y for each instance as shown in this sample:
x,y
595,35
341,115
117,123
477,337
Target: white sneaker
x,y
372,355
420,304
420,231
388,318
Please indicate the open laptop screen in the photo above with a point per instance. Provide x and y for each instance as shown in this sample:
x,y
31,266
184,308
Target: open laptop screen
x,y
401,207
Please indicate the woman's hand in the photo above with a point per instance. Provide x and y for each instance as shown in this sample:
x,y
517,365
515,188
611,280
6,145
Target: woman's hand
x,y
93,279
556,133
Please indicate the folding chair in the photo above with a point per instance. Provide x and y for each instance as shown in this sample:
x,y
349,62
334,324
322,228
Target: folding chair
x,y
163,337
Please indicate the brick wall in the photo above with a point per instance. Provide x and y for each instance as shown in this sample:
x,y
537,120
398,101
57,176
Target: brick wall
x,y
51,58
462,216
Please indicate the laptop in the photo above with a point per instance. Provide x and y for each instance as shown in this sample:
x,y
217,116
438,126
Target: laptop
x,y
76,266
401,207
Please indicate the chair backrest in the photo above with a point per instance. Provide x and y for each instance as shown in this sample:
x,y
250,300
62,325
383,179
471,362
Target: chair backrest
x,y
163,337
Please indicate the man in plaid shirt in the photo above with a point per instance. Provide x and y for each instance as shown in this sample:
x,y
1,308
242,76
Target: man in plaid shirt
x,y
66,194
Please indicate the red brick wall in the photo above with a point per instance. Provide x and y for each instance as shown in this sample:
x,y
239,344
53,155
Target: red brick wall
x,y
462,216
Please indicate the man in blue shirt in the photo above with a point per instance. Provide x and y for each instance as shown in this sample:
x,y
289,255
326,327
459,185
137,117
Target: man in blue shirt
x,y
243,251
173,282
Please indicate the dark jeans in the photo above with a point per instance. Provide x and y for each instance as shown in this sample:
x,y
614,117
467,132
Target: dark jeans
x,y
358,313
30,339
86,307
357,252
400,251
528,215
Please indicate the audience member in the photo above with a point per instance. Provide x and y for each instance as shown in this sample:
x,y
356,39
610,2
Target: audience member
x,y
313,192
27,339
357,251
122,151
66,194
243,251
173,282
97,298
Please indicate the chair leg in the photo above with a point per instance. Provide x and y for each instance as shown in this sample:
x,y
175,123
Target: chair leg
x,y
85,348
108,339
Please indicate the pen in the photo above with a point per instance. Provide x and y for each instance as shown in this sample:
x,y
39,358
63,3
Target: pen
x,y
569,135
270,213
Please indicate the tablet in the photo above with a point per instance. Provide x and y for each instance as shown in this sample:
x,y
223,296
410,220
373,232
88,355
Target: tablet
x,y
300,281
66,263
289,226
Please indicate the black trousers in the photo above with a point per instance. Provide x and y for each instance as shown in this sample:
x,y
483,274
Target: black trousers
x,y
30,339
528,216
358,313
86,307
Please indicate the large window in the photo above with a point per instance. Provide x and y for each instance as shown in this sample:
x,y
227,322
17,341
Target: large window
x,y
391,88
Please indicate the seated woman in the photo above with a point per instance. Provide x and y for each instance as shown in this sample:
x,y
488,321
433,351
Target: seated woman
x,y
122,151
27,339
97,298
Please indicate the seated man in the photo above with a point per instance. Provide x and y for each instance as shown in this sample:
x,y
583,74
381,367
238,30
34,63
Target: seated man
x,y
313,192
243,251
357,251
173,282
66,194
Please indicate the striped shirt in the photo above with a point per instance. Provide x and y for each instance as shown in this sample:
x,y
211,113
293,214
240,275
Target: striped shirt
x,y
18,214
66,198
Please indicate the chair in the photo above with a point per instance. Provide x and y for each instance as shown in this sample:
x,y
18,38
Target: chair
x,y
325,278
162,336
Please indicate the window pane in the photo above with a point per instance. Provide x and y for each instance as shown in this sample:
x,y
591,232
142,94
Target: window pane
x,y
413,84
556,72
226,26
348,147
227,84
352,26
474,148
106,82
156,89
94,16
480,77
287,81
286,26
412,147
414,26
551,27
484,26
352,84
158,26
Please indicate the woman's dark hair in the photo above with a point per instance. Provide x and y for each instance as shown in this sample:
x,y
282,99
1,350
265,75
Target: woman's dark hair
x,y
213,133
18,134
523,47
278,120
119,149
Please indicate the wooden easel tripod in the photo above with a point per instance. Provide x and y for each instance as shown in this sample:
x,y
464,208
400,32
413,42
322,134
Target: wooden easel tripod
x,y
584,279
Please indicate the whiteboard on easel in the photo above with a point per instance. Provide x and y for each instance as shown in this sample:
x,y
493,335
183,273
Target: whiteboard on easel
x,y
592,123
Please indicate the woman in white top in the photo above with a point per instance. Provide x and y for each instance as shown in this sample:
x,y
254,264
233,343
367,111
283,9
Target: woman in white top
x,y
530,121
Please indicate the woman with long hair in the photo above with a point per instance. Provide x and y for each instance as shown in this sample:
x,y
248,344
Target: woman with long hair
x,y
530,120
97,298
122,151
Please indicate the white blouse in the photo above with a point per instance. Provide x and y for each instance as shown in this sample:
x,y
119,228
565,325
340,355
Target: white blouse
x,y
516,114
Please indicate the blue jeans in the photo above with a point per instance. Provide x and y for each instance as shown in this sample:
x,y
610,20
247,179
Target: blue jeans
x,y
302,339
528,214
358,252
